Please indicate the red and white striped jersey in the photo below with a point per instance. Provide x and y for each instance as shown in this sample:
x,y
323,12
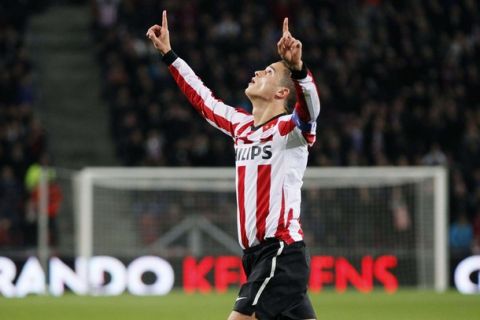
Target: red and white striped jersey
x,y
270,159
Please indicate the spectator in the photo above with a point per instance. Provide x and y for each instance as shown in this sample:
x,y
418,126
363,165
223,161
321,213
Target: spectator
x,y
54,197
22,138
107,13
461,236
435,157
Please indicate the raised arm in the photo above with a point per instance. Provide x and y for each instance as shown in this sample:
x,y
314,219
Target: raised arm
x,y
160,36
307,107
216,112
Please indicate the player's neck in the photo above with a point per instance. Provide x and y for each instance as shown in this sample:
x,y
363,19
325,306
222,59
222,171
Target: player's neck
x,y
263,111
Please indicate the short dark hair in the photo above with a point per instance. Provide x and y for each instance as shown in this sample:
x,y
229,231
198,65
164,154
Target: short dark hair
x,y
287,82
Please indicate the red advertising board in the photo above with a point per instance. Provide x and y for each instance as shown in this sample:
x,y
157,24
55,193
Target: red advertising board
x,y
325,271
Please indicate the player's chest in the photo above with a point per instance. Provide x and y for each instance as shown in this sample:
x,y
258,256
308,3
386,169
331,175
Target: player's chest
x,y
259,145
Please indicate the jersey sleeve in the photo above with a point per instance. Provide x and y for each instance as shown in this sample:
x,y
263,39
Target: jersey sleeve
x,y
217,113
307,107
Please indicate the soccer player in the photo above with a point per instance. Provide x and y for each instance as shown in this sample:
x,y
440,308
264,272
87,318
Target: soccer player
x,y
271,148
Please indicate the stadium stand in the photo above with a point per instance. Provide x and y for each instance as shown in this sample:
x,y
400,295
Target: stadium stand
x,y
399,82
23,141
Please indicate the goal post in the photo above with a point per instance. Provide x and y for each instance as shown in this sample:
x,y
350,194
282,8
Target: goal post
x,y
351,212
372,176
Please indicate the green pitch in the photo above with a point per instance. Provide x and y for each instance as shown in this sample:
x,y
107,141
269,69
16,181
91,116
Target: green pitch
x,y
404,305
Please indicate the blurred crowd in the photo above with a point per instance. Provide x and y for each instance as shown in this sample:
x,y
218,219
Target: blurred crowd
x,y
399,83
22,137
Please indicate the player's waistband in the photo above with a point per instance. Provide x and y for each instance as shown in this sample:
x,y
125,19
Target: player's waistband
x,y
268,242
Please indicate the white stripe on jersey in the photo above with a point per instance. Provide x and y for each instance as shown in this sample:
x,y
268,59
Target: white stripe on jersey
x,y
250,203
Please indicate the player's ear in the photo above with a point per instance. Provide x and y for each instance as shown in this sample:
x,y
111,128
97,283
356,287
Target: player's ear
x,y
282,93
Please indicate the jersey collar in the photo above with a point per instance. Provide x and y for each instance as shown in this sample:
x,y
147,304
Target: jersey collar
x,y
253,128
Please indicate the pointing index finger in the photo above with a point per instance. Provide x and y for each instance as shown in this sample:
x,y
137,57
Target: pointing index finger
x,y
285,25
164,19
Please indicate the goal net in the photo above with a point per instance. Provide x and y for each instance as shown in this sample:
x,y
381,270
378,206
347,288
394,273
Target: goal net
x,y
346,212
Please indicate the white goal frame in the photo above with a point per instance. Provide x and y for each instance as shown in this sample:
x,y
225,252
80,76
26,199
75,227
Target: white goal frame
x,y
85,179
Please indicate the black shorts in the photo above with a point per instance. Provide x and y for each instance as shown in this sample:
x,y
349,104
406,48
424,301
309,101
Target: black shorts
x,y
277,278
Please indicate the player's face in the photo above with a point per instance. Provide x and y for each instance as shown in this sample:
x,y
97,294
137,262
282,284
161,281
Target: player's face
x,y
266,83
